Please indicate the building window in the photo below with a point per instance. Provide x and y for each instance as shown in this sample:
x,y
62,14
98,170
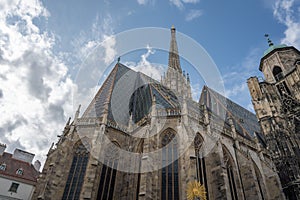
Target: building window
x,y
229,165
20,171
200,162
170,166
3,167
76,173
109,172
14,187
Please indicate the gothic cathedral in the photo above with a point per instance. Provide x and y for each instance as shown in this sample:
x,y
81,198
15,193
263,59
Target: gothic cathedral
x,y
140,139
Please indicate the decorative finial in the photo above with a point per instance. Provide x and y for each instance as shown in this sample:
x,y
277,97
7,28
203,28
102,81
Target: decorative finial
x,y
173,27
77,112
269,40
119,58
68,122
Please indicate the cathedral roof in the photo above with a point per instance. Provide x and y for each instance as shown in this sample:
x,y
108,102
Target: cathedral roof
x,y
126,92
245,121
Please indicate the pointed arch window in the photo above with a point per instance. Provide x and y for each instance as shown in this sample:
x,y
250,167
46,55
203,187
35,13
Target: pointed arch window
x,y
170,166
77,172
109,172
200,162
259,182
229,165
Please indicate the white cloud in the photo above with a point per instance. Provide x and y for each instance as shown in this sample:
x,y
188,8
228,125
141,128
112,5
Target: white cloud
x,y
180,3
287,13
196,89
35,86
177,3
142,2
110,52
95,50
100,33
146,2
190,1
151,69
193,14
235,81
237,89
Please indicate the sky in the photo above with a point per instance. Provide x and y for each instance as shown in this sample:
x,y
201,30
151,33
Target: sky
x,y
44,46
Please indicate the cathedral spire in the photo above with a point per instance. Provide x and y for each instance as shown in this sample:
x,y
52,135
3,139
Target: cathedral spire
x,y
174,62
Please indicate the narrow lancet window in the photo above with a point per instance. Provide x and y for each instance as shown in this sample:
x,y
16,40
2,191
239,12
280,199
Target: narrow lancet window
x,y
200,163
170,166
229,164
109,173
76,173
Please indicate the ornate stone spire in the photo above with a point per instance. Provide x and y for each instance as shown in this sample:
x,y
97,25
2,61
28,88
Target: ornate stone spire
x,y
175,79
174,62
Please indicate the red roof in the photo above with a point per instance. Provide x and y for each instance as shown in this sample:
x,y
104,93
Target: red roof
x,y
12,165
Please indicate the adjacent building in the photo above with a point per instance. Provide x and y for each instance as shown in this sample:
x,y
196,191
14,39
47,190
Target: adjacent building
x,y
18,176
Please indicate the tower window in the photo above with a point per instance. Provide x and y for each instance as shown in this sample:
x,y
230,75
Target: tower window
x,y
277,73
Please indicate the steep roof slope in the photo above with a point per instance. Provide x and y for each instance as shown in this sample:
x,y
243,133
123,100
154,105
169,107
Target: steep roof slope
x,y
127,92
245,121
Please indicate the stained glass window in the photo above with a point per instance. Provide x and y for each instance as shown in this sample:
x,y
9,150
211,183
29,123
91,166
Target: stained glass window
x,y
76,173
169,177
228,161
108,173
200,162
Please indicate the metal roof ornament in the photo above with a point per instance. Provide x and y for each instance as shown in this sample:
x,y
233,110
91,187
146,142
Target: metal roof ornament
x,y
269,40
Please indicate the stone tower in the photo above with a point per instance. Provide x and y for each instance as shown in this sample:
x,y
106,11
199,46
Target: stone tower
x,y
176,79
140,139
276,102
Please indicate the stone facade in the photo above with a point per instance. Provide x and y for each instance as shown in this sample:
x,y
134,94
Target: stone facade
x,y
126,156
276,101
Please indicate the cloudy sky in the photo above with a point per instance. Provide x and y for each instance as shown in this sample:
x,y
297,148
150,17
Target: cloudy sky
x,y
43,45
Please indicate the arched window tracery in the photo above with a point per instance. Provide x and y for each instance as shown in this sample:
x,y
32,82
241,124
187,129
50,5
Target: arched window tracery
x,y
109,172
170,166
77,172
229,165
259,182
200,162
